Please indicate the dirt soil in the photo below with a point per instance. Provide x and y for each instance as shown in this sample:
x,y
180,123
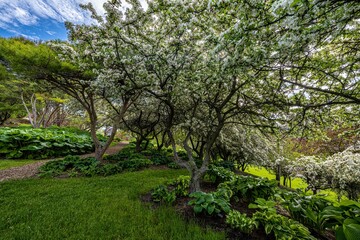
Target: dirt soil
x,y
31,170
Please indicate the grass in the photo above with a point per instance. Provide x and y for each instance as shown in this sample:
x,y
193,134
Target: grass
x,y
92,208
5,164
296,183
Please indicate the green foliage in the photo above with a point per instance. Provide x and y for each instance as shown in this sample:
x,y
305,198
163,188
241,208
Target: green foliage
x,y
181,186
219,174
312,211
175,188
348,215
210,203
135,164
162,194
173,165
72,164
75,166
129,153
225,164
252,187
282,227
93,208
109,169
43,143
241,222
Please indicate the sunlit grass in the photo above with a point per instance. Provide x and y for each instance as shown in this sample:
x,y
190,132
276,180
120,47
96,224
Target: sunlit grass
x,y
5,164
92,208
296,183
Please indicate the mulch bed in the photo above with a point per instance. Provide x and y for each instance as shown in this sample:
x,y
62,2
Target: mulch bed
x,y
216,223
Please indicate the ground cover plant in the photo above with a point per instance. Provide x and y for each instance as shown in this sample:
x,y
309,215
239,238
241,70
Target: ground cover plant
x,y
41,143
92,208
127,159
256,208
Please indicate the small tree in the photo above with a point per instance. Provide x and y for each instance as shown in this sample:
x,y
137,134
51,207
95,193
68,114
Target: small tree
x,y
244,146
344,171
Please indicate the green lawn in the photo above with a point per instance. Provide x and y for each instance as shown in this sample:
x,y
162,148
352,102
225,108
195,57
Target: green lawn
x,y
92,208
5,164
295,182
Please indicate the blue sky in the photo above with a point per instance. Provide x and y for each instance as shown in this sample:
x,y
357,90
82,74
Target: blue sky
x,y
42,19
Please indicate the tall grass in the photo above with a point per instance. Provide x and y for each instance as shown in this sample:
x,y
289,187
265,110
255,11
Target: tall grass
x,y
92,208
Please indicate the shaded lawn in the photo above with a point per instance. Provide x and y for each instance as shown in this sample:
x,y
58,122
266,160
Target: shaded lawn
x,y
5,164
92,208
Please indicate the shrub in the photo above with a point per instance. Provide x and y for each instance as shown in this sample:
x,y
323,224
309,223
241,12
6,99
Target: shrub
x,y
109,169
225,164
312,211
86,166
219,174
181,185
282,227
211,203
253,187
75,166
43,143
347,214
173,165
241,222
162,194
159,158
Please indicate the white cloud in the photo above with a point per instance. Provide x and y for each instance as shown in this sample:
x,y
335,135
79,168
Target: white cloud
x,y
29,12
24,17
51,33
16,13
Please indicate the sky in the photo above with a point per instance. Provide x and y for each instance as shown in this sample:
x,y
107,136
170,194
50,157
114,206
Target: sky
x,y
42,19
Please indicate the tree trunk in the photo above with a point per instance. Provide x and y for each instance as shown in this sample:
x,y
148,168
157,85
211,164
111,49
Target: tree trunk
x,y
195,181
138,144
278,174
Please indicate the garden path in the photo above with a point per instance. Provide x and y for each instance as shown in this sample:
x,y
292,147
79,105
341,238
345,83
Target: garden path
x,y
30,170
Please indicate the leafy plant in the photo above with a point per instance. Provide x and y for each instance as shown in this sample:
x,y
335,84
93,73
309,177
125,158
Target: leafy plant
x,y
43,143
71,164
219,174
210,203
349,229
282,227
241,222
162,194
173,165
181,185
252,187
312,211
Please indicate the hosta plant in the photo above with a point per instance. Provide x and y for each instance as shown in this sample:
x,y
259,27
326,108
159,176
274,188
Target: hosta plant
x,y
240,221
282,227
162,194
43,143
210,203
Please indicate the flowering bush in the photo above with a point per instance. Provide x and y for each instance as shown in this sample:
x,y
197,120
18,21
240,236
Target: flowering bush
x,y
340,172
312,170
344,171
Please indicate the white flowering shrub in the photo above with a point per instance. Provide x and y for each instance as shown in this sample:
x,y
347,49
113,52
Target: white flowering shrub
x,y
344,171
312,170
340,172
244,146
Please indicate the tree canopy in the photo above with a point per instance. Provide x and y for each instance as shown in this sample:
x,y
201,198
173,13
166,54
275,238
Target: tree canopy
x,y
206,67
